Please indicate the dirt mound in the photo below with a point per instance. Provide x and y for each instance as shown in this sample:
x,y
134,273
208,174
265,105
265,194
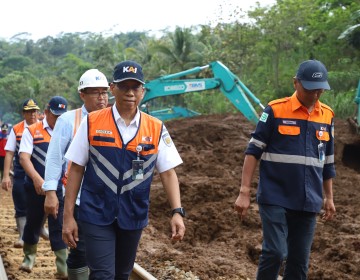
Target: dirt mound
x,y
217,245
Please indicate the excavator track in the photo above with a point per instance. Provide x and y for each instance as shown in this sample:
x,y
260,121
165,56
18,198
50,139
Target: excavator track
x,y
11,259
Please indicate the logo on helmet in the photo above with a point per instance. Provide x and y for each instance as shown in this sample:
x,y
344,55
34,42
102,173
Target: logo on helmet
x,y
99,78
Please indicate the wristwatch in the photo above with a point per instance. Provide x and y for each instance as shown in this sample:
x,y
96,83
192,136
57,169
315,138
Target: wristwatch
x,y
180,210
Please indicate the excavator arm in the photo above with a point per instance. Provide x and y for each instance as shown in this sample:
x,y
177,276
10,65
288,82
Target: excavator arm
x,y
229,84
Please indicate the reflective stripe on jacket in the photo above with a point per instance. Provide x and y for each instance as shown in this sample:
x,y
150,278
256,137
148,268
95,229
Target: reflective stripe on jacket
x,y
19,172
287,140
109,191
41,139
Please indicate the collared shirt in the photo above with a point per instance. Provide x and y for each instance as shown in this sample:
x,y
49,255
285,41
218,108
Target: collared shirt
x,y
292,166
168,156
27,141
61,138
11,142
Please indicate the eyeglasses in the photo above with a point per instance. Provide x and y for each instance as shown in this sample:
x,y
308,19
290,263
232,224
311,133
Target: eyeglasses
x,y
125,89
97,94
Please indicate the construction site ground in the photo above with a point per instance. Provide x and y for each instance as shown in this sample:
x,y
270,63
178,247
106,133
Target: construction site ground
x,y
217,245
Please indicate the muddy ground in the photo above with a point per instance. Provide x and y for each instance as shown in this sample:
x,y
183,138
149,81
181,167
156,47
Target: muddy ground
x,y
217,245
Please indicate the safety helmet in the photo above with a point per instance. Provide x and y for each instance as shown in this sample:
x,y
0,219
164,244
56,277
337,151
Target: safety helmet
x,y
92,78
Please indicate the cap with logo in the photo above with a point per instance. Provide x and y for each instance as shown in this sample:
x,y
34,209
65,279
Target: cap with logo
x,y
4,127
313,75
57,105
30,104
128,70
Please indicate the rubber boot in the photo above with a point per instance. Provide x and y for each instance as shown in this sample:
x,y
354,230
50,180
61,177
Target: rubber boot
x,y
44,232
78,273
20,223
61,266
29,258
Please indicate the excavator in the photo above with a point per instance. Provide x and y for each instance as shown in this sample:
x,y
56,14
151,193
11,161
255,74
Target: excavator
x,y
223,79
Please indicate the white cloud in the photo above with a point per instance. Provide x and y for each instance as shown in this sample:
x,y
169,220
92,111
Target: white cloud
x,y
42,18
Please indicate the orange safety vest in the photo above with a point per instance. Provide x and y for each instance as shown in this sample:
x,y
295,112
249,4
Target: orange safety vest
x,y
18,130
41,140
77,121
109,191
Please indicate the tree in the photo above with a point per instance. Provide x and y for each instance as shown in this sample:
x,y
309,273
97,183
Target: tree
x,y
15,63
352,33
15,88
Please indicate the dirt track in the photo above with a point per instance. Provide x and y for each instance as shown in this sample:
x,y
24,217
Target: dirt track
x,y
217,245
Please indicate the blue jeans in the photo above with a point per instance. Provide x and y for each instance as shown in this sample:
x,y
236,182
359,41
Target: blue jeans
x,y
287,237
110,251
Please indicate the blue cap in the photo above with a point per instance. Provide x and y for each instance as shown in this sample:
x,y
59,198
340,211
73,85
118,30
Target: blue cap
x,y
313,75
128,70
30,104
57,105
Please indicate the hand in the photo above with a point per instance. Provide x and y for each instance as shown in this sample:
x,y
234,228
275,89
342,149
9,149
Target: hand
x,y
51,204
70,232
38,182
242,202
330,210
177,227
6,183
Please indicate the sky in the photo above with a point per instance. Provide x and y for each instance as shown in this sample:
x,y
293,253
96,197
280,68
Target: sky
x,y
42,18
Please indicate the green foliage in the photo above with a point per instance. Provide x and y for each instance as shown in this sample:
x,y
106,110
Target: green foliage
x,y
342,103
15,63
210,102
15,88
263,47
11,117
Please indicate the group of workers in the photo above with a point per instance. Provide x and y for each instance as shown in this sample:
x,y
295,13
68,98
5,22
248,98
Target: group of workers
x,y
89,172
97,153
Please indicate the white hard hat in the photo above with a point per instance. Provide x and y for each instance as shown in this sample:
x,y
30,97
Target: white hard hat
x,y
92,78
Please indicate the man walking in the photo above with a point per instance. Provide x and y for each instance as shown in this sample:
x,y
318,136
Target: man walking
x,y
294,139
33,148
93,91
29,111
114,155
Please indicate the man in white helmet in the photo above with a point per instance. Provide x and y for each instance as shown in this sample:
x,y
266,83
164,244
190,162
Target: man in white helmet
x,y
93,90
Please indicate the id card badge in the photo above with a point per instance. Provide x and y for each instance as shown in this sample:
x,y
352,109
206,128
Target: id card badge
x,y
321,150
138,169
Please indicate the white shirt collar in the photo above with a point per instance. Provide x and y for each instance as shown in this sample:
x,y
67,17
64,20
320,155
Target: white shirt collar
x,y
118,118
83,110
45,123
